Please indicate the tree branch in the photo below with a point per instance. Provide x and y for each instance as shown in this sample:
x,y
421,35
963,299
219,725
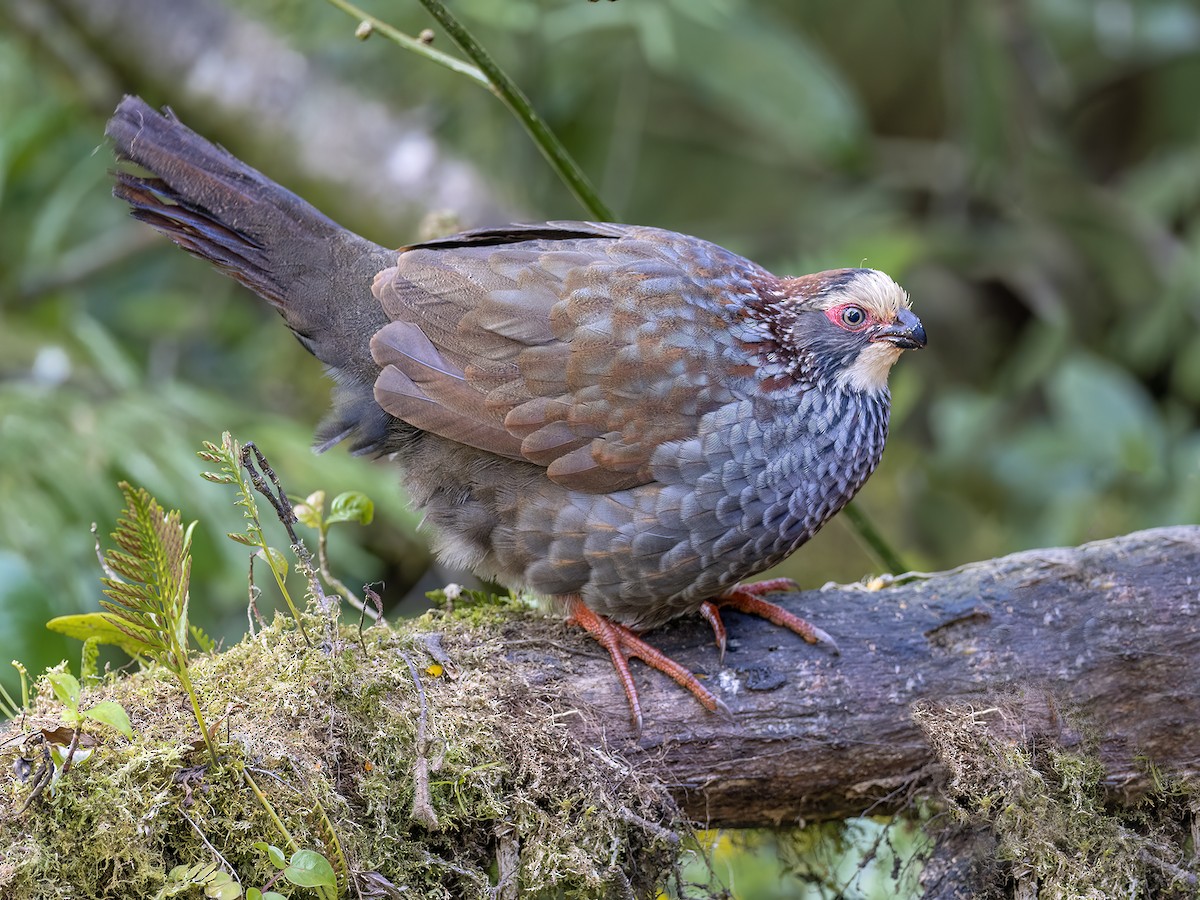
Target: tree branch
x,y
1107,634
1007,668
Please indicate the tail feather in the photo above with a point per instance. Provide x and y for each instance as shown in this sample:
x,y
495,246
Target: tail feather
x,y
316,273
233,252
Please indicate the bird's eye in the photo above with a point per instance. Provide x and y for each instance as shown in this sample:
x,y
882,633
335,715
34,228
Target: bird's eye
x,y
853,317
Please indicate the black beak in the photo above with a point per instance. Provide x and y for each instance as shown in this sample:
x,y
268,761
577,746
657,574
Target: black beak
x,y
906,332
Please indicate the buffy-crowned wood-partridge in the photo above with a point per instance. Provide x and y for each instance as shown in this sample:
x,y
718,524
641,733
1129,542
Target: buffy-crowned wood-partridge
x,y
626,419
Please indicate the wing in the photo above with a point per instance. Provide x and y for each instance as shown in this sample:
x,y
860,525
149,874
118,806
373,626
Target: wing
x,y
575,346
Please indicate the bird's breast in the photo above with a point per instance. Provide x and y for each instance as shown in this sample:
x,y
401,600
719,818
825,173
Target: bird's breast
x,y
737,499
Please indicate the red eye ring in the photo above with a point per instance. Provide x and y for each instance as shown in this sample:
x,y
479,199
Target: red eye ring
x,y
849,316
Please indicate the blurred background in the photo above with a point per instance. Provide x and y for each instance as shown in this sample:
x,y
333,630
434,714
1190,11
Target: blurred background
x,y
1028,169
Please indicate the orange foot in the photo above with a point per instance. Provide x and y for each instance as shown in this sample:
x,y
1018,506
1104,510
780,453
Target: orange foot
x,y
747,598
621,642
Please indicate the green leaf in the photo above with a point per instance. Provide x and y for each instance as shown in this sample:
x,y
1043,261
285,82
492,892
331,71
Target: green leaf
x,y
246,539
276,560
309,868
66,688
221,886
98,626
112,714
310,512
352,506
203,641
155,560
274,854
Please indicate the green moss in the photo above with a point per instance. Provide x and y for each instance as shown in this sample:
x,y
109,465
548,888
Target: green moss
x,y
1046,805
510,787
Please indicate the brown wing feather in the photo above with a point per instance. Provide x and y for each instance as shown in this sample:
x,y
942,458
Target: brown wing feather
x,y
543,344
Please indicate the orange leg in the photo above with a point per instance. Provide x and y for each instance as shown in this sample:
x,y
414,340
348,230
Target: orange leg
x,y
712,614
747,598
620,642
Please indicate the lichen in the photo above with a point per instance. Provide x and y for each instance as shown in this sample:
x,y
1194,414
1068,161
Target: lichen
x,y
516,801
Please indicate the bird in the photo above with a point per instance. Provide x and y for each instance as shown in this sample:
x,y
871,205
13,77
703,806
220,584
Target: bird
x,y
627,420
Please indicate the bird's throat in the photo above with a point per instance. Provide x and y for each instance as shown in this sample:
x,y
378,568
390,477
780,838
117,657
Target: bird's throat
x,y
869,371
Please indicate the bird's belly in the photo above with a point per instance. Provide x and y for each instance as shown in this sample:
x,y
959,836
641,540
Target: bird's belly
x,y
721,508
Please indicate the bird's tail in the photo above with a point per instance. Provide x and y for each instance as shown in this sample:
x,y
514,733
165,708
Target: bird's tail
x,y
316,273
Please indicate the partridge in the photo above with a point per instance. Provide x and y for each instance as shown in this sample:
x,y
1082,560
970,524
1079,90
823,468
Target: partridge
x,y
626,419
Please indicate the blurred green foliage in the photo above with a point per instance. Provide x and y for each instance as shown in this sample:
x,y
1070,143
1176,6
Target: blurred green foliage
x,y
1029,170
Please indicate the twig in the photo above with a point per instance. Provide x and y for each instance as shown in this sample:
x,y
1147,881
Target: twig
x,y
514,98
374,598
104,566
488,74
71,750
213,850
423,810
287,515
333,581
252,595
392,33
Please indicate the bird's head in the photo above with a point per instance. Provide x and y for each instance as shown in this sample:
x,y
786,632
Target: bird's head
x,y
851,325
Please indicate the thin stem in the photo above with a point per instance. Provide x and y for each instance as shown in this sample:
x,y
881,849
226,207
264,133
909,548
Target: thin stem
x,y
332,580
182,674
213,850
875,542
266,804
8,706
514,98
394,34
247,488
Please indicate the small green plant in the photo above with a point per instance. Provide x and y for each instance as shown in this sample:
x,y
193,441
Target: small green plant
x,y
232,458
305,868
67,745
147,587
216,882
106,712
9,708
351,506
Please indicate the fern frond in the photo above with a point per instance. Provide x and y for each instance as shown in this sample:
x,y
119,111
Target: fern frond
x,y
154,559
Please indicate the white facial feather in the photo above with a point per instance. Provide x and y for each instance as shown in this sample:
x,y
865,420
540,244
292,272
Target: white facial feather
x,y
884,299
869,371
